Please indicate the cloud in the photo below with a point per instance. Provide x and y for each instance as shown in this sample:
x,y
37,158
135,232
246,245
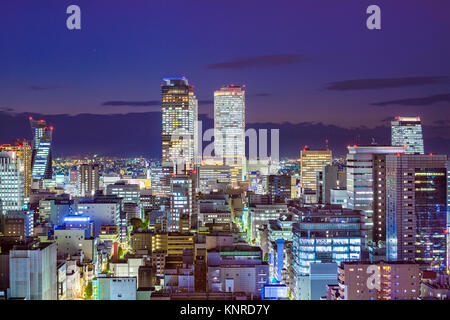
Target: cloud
x,y
41,88
258,61
368,84
132,103
423,101
6,109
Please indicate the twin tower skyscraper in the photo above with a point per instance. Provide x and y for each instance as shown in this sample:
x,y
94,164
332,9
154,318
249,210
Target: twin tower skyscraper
x,y
182,132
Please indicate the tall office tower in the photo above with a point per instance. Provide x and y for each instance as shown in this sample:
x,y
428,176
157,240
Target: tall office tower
x,y
22,150
32,268
88,179
280,187
327,179
160,179
229,127
366,181
12,185
41,161
179,108
416,189
407,131
311,162
181,203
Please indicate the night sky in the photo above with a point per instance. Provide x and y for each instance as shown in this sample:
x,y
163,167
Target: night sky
x,y
311,61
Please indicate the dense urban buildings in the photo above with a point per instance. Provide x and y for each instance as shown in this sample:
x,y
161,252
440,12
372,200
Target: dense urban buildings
x,y
368,225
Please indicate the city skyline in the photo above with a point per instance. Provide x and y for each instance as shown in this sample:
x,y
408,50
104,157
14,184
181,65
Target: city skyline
x,y
225,151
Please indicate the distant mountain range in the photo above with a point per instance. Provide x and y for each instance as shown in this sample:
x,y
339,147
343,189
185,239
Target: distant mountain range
x,y
139,134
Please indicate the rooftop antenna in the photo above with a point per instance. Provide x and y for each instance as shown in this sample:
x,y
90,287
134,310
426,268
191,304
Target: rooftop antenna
x,y
373,141
326,143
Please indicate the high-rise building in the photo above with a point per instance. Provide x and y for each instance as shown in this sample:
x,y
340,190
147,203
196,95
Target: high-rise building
x,y
32,268
280,188
416,209
229,127
160,179
366,192
182,196
12,184
88,179
179,108
311,162
407,131
41,161
23,151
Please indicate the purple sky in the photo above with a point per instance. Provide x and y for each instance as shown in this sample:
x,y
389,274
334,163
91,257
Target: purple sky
x,y
302,61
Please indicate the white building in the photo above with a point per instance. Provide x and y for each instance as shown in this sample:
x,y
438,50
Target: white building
x,y
229,127
32,271
71,241
104,211
12,187
114,288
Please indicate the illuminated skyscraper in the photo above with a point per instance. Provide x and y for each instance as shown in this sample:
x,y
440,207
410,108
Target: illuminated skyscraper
x,y
12,188
23,152
89,179
182,196
179,122
41,161
311,162
229,126
366,187
416,187
407,131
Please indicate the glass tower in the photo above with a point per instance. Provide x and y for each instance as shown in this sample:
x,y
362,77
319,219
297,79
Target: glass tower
x,y
229,127
179,122
407,131
41,161
416,209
